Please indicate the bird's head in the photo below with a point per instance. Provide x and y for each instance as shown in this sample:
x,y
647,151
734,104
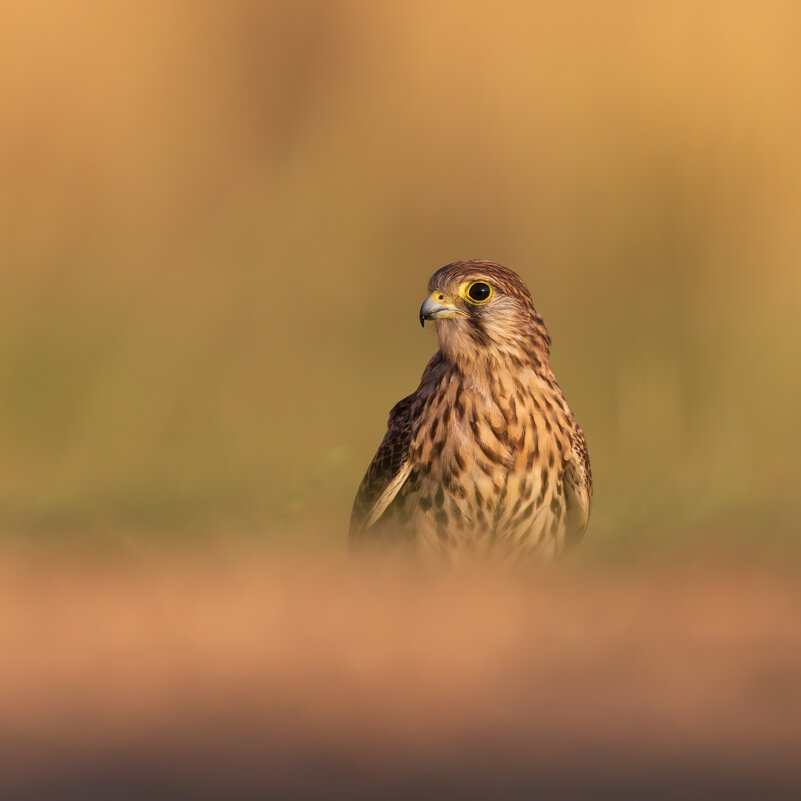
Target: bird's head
x,y
484,309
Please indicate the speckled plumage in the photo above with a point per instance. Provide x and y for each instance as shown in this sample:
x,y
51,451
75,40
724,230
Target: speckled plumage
x,y
486,455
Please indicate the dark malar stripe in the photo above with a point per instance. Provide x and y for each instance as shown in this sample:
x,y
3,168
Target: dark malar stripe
x,y
477,330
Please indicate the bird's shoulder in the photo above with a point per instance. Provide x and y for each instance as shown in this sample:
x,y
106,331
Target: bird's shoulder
x,y
391,464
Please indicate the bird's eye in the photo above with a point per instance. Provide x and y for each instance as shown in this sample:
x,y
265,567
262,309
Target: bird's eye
x,y
479,292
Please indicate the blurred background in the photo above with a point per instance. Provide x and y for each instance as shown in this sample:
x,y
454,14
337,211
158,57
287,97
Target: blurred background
x,y
218,222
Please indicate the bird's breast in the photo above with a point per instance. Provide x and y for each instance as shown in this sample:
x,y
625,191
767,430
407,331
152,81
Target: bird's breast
x,y
489,466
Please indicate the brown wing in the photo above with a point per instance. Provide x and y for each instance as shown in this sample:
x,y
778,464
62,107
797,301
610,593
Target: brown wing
x,y
387,472
578,488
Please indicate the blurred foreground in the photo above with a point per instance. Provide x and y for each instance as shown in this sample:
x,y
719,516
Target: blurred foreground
x,y
247,674
217,222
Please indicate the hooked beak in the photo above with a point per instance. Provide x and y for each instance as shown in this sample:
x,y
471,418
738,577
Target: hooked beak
x,y
437,305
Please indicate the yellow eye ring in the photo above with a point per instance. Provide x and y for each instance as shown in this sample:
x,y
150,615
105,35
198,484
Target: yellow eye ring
x,y
477,292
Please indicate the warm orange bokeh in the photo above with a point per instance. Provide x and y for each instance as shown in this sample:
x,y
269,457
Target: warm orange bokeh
x,y
218,221
309,680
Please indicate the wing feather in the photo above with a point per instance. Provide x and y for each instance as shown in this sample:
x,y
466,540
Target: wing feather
x,y
387,472
578,488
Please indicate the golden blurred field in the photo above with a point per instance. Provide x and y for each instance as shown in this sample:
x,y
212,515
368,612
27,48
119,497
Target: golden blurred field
x,y
217,222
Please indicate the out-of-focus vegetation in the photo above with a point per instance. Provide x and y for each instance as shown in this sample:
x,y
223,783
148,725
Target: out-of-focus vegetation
x,y
217,222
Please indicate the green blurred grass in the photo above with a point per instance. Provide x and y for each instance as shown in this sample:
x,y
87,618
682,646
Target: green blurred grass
x,y
217,226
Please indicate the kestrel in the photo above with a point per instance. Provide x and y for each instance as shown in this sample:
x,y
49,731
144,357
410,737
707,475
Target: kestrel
x,y
486,455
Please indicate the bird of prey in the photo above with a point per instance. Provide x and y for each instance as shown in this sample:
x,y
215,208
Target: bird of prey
x,y
486,455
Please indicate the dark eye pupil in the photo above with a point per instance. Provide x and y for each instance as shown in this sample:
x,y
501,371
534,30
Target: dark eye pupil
x,y
479,291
